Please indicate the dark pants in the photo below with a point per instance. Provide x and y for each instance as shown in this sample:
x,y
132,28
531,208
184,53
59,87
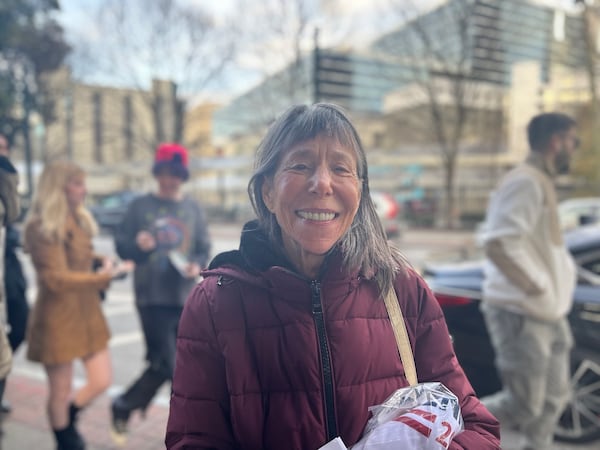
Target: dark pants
x,y
17,311
159,324
16,290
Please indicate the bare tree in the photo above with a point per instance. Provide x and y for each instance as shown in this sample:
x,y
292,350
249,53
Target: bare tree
x,y
161,48
437,56
277,47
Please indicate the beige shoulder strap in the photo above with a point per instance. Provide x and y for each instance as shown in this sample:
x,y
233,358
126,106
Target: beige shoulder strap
x,y
399,327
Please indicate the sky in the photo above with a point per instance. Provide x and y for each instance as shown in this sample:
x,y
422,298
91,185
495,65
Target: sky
x,y
349,22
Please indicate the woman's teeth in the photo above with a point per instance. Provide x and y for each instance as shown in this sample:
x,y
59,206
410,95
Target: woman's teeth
x,y
321,216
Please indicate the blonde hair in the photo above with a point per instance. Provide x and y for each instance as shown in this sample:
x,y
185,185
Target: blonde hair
x,y
49,207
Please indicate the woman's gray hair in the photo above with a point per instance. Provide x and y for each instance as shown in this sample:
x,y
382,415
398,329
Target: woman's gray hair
x,y
364,246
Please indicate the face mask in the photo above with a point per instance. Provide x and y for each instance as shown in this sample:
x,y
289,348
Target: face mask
x,y
562,162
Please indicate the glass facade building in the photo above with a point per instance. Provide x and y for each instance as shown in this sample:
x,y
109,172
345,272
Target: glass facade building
x,y
476,39
357,82
484,38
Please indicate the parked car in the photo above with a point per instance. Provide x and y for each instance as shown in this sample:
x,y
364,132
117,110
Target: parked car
x,y
388,210
109,210
458,288
574,212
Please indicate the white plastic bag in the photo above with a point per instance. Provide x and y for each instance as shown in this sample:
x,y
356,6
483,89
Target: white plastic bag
x,y
335,444
422,417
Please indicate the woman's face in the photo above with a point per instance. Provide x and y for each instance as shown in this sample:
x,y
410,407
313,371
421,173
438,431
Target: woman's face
x,y
75,191
314,195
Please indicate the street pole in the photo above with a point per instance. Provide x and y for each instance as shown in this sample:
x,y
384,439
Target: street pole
x,y
26,80
27,145
316,65
69,121
20,70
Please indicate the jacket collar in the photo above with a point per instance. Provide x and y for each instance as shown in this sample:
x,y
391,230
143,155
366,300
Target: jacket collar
x,y
257,254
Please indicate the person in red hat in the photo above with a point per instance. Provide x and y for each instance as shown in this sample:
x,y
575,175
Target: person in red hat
x,y
166,234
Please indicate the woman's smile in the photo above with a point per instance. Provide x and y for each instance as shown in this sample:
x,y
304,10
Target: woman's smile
x,y
317,216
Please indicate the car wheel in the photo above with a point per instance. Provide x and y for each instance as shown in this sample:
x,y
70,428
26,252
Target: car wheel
x,y
580,421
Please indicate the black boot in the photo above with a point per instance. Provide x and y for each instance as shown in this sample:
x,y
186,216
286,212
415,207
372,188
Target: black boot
x,y
74,411
119,417
69,439
5,407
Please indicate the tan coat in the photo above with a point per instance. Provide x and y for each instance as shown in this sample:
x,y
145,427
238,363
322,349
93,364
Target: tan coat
x,y
67,321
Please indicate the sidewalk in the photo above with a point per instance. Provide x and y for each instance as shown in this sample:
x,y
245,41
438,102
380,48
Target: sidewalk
x,y
26,427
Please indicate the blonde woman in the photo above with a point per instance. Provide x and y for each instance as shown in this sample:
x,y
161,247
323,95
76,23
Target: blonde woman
x,y
67,322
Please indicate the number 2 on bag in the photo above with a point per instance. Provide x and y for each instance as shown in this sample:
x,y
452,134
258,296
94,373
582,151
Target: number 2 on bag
x,y
443,439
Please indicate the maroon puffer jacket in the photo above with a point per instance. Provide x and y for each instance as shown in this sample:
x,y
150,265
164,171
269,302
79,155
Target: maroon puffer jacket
x,y
251,372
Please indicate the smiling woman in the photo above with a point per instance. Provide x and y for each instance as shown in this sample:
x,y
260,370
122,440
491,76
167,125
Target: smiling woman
x,y
300,196
289,335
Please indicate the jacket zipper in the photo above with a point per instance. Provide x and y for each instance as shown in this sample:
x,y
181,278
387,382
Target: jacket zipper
x,y
317,312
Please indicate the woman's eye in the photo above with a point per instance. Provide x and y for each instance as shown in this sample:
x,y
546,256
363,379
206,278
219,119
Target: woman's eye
x,y
341,170
298,166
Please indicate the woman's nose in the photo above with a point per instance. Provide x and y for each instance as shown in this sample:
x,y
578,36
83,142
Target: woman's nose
x,y
321,180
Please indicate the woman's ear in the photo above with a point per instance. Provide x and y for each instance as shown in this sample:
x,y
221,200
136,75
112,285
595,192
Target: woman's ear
x,y
267,194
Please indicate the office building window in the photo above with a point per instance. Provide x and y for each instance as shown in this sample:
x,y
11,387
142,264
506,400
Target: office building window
x,y
97,118
559,26
128,127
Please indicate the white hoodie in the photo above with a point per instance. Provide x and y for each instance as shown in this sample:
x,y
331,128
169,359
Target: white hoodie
x,y
529,270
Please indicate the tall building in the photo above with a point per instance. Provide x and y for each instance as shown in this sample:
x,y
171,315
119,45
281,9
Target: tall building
x,y
491,63
487,37
477,39
198,130
495,61
357,81
109,129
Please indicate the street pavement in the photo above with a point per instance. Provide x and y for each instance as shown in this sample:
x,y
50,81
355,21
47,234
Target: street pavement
x,y
26,426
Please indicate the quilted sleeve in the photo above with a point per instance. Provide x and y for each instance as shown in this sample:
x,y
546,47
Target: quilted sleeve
x,y
199,411
436,361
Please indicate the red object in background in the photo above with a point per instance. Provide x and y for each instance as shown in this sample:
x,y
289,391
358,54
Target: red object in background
x,y
388,210
387,207
452,300
394,207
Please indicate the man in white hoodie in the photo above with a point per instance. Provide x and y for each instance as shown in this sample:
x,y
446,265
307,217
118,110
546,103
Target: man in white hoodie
x,y
529,283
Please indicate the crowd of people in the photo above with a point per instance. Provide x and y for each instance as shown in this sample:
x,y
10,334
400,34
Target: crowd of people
x,y
286,342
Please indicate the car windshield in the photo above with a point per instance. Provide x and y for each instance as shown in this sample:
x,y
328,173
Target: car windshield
x,y
110,202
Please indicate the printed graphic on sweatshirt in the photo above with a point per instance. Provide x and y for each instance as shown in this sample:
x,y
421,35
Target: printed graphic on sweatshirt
x,y
172,236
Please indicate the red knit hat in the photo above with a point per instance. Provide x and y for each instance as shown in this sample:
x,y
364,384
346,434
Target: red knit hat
x,y
174,157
